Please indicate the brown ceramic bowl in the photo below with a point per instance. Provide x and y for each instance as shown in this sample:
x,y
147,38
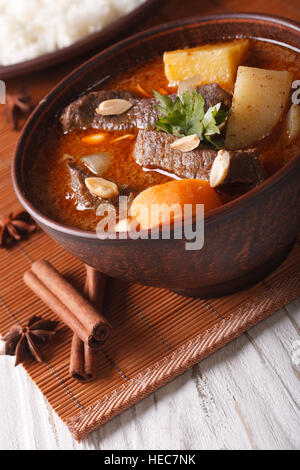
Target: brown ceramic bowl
x,y
244,240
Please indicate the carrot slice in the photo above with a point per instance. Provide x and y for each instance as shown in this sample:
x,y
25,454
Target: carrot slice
x,y
123,137
142,91
162,91
165,202
93,139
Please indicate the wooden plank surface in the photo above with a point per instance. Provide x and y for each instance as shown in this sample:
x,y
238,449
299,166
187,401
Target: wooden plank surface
x,y
246,396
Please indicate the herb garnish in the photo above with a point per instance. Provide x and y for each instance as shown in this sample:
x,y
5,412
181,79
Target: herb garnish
x,y
187,117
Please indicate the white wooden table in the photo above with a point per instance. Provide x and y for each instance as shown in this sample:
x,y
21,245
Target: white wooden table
x,y
246,396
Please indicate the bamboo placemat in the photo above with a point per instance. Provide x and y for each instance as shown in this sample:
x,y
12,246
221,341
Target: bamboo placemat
x,y
157,334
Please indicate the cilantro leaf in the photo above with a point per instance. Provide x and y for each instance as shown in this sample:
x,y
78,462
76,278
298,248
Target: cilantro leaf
x,y
209,120
187,117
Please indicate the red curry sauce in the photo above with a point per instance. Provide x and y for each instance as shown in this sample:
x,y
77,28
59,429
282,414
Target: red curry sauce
x,y
50,178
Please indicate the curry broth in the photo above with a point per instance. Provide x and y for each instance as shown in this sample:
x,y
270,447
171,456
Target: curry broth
x,y
50,179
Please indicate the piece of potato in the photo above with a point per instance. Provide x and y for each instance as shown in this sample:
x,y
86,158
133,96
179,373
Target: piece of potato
x,y
259,101
291,126
213,62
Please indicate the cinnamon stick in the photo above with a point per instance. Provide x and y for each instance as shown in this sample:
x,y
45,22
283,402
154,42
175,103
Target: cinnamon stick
x,y
83,363
92,320
94,288
54,304
73,309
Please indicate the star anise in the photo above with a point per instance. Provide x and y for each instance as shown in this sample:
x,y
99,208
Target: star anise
x,y
17,105
26,342
12,227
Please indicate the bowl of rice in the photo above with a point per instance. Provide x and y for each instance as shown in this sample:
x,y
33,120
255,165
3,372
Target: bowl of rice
x,y
35,34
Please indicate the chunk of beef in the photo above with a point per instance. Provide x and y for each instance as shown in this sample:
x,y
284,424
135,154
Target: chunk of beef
x,y
153,151
245,167
214,94
81,114
84,200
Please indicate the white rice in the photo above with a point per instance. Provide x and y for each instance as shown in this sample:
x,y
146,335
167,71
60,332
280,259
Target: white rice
x,y
30,28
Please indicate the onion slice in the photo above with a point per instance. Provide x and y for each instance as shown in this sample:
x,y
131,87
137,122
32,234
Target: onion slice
x,y
190,84
97,163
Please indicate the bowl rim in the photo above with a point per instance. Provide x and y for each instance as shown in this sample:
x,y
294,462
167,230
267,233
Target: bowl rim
x,y
218,213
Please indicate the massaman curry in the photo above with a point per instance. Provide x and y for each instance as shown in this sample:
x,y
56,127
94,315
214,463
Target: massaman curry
x,y
196,126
